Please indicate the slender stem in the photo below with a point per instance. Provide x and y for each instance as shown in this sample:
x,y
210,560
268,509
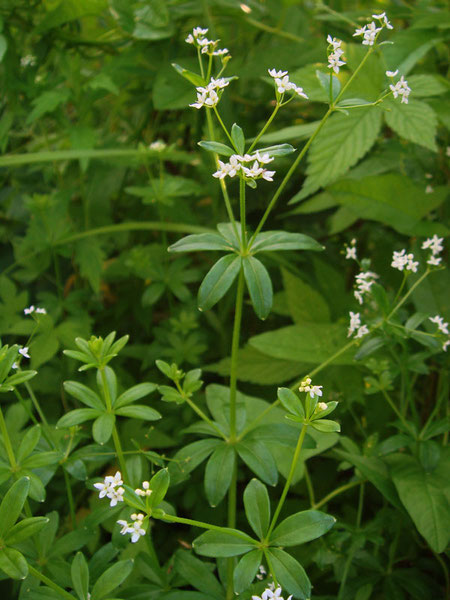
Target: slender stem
x,y
271,569
115,435
7,442
309,486
398,413
224,128
408,293
200,62
202,525
36,404
287,485
234,354
360,505
402,285
70,499
336,492
242,213
264,129
48,582
199,411
441,561
232,498
348,562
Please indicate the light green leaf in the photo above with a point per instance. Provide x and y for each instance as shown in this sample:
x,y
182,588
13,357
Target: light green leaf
x,y
237,135
259,285
197,80
277,150
291,402
159,484
424,86
218,473
326,426
304,302
302,527
13,563
201,242
103,427
28,443
290,574
223,543
84,394
217,147
77,416
134,393
218,281
80,576
12,504
139,411
257,507
111,579
324,80
189,457
415,121
259,459
24,529
272,241
246,569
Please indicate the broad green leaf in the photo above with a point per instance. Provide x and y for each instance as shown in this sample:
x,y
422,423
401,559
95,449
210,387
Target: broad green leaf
x,y
259,459
201,242
259,285
103,427
195,572
139,411
290,574
423,495
80,576
84,394
414,121
12,504
134,393
274,241
218,473
302,527
218,401
189,457
159,484
218,281
217,147
77,416
257,507
246,569
13,563
90,257
291,402
341,143
326,426
111,579
237,135
25,529
304,302
197,80
424,86
223,543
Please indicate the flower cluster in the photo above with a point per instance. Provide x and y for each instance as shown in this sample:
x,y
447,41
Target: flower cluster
x,y
270,594
435,245
32,309
334,58
135,528
370,31
158,145
283,84
250,166
364,281
209,96
144,492
401,260
197,38
111,488
350,250
261,572
314,390
355,325
443,328
400,88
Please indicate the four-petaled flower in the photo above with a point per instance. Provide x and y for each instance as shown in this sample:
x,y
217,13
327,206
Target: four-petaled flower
x,y
111,488
24,352
283,84
269,594
313,390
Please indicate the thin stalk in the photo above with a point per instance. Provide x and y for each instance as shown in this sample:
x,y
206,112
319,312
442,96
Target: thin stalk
x,y
200,62
51,584
336,492
408,293
70,500
309,486
264,129
232,500
115,435
360,505
271,569
200,413
242,213
441,561
287,485
36,404
347,565
234,354
202,525
7,442
397,412
222,124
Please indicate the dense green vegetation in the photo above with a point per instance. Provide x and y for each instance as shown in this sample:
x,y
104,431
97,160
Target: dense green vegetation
x,y
197,392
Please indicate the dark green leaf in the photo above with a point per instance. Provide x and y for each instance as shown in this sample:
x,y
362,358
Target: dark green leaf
x,y
291,402
324,80
197,80
159,484
84,394
218,280
257,507
259,459
25,529
218,473
111,579
273,241
197,574
103,427
290,574
246,569
134,393
77,416
12,504
302,527
259,285
326,426
237,135
139,411
223,543
200,242
80,576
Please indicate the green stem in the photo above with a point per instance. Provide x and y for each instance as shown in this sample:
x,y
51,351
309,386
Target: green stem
x,y
360,505
271,569
309,486
408,293
202,525
232,500
234,354
70,499
242,213
115,435
200,413
36,404
264,129
222,124
287,485
348,562
336,492
398,413
7,442
49,583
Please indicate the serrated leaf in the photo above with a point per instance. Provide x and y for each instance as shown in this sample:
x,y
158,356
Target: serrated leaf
x,y
259,285
415,121
218,281
304,302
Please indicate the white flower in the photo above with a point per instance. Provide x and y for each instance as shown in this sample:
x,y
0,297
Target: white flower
x,y
429,189
114,480
103,488
445,345
270,594
313,390
442,326
360,31
207,96
14,365
364,281
434,244
383,17
334,42
135,528
115,495
370,34
355,322
237,163
350,252
399,260
125,527
28,61
28,311
31,309
261,572
283,83
158,145
434,260
264,159
41,311
199,32
363,330
402,89
411,265
110,488
146,491
322,406
334,60
392,73
277,74
24,352
220,52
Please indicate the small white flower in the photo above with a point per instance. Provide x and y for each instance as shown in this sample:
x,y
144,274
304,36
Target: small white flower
x,y
322,406
434,260
364,282
313,390
284,85
355,322
158,145
125,527
402,89
429,189
270,594
41,311
114,480
411,265
392,73
363,330
442,326
28,61
261,572
29,310
434,244
24,352
115,495
445,345
14,365
334,42
370,34
399,260
383,17
360,31
264,159
146,491
334,60
277,74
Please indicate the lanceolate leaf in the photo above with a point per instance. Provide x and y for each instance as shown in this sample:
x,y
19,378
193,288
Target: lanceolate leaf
x,y
343,140
12,504
218,473
290,574
217,147
257,507
223,543
256,455
301,528
13,563
246,569
111,579
200,242
259,285
238,138
273,241
77,416
84,394
103,427
197,574
218,281
189,75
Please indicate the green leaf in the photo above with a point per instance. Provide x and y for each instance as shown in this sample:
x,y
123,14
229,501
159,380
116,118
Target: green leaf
x,y
290,574
291,402
195,572
218,281
80,576
77,416
3,46
28,443
84,394
302,527
223,543
217,147
259,285
237,135
340,144
245,570
103,427
303,301
201,242
139,411
326,426
25,529
197,80
111,579
257,507
218,473
277,150
415,121
324,80
13,563
134,393
192,455
424,86
47,102
21,377
259,459
274,241
424,498
12,504
90,257
159,484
